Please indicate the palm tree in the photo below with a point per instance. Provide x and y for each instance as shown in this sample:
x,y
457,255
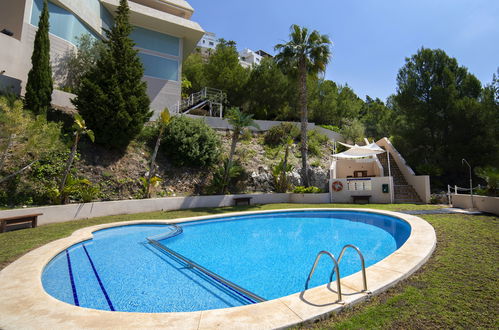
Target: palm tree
x,y
238,120
305,54
79,129
163,120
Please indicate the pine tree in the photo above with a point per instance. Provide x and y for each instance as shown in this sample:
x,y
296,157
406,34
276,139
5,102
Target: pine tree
x,y
112,97
39,86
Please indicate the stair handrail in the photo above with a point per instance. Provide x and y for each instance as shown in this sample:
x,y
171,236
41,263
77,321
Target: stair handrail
x,y
213,95
234,287
335,269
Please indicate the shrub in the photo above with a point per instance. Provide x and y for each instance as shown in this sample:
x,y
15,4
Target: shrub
x,y
332,128
276,134
315,142
148,134
246,135
491,175
306,190
279,174
191,142
81,190
44,177
236,175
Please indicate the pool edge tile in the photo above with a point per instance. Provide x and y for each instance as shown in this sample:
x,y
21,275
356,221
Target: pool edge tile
x,y
25,304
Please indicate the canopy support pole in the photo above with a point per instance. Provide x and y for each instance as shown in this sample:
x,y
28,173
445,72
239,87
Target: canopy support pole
x,y
390,176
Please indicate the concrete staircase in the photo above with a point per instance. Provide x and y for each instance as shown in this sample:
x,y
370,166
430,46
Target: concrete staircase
x,y
402,191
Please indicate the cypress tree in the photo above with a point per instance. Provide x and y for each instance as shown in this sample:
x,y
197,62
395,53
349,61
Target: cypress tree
x,y
112,97
39,86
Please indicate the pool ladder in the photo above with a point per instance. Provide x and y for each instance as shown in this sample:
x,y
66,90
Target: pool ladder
x,y
336,269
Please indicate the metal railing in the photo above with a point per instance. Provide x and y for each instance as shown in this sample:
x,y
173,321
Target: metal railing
x,y
364,278
458,189
176,230
248,295
212,96
336,269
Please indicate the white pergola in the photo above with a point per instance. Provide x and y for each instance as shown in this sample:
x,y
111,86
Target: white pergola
x,y
355,151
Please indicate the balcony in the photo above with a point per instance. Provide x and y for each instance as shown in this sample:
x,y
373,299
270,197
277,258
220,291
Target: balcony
x,y
178,8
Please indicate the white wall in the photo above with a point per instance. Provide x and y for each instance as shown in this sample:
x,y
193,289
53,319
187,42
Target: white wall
x,y
346,167
345,195
482,203
61,213
265,125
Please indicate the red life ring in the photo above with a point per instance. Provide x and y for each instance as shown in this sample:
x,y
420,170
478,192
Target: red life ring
x,y
337,186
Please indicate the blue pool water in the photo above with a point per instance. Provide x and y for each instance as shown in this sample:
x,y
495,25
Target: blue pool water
x,y
267,254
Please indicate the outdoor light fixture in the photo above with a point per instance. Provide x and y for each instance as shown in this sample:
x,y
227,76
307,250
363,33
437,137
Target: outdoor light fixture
x,y
7,32
471,182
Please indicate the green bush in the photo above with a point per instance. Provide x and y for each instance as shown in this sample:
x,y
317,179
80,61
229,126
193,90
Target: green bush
x,y
491,176
315,143
332,128
276,134
190,142
306,190
237,174
149,134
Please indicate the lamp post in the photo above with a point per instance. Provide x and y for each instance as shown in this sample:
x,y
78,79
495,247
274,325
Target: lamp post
x,y
471,182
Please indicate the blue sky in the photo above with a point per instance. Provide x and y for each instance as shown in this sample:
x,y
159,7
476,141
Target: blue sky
x,y
371,38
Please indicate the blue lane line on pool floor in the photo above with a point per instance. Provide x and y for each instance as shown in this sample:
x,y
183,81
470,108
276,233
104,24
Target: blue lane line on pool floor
x,y
73,286
111,307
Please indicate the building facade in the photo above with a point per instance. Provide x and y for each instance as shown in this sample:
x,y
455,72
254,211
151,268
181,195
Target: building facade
x,y
207,45
208,41
163,33
249,58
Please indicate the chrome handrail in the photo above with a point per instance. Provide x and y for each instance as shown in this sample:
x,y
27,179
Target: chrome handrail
x,y
234,287
335,268
364,279
177,230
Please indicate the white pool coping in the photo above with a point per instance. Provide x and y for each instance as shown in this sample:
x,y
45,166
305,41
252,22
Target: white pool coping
x,y
25,304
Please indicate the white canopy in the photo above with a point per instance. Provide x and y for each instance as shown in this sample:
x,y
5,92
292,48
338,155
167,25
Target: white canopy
x,y
357,151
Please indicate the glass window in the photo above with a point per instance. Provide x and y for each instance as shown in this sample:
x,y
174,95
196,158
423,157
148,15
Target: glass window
x,y
63,23
155,41
159,67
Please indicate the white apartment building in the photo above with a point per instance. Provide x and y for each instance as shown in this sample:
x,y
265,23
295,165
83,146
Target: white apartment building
x,y
249,58
163,33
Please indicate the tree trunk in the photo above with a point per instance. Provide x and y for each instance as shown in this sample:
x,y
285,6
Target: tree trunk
x,y
284,178
304,120
68,167
235,136
5,178
4,153
151,164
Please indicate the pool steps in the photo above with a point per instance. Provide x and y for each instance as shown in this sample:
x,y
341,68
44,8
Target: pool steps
x,y
84,275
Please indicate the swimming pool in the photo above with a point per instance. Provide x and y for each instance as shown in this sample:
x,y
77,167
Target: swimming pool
x,y
268,254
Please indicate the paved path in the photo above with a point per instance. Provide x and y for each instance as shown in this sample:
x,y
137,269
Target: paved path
x,y
447,210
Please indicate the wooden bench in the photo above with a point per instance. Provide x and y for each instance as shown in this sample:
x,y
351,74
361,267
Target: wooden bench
x,y
19,219
242,201
361,199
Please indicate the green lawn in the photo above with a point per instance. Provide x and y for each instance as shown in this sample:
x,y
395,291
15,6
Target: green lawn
x,y
457,288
